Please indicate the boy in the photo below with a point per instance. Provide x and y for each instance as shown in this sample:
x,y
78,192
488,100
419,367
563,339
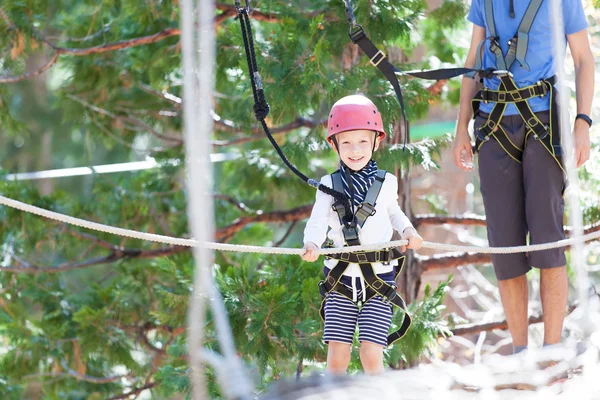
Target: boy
x,y
354,130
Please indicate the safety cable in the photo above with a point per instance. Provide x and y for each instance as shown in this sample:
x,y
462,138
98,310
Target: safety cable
x,y
261,107
280,250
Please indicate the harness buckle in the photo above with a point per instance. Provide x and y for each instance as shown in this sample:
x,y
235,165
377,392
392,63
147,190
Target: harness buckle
x,y
501,97
500,73
544,87
390,294
369,209
375,61
482,136
356,33
485,95
362,257
322,290
494,45
544,134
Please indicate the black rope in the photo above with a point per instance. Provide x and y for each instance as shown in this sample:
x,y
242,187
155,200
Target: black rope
x,y
378,58
261,107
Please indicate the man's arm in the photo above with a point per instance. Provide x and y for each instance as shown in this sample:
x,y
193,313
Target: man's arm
x,y
462,141
584,84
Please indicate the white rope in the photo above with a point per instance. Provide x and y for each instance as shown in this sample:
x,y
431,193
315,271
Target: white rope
x,y
281,250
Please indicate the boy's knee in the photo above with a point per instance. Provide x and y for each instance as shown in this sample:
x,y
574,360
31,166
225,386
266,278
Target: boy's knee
x,y
338,357
370,350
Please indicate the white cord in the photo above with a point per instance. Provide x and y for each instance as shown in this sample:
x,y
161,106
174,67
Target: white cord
x,y
281,250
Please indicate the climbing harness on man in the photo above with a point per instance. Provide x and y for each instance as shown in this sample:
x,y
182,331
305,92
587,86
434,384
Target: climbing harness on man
x,y
508,92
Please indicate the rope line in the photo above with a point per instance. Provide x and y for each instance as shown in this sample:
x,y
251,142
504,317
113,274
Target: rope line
x,y
281,250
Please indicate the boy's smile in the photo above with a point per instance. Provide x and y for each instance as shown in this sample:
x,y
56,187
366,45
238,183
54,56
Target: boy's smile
x,y
355,148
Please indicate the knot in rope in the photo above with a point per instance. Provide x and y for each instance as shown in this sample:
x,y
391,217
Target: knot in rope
x,y
261,110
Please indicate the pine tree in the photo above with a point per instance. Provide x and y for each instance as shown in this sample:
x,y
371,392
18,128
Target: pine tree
x,y
89,315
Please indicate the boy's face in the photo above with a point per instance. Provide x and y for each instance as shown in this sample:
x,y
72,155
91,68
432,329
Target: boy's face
x,y
355,148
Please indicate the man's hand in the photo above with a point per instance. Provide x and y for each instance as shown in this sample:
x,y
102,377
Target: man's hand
x,y
462,150
581,135
415,241
312,252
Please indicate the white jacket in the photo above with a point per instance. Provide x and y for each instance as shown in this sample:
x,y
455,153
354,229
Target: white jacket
x,y
377,229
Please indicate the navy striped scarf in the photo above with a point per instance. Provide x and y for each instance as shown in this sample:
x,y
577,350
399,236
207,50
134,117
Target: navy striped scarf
x,y
361,181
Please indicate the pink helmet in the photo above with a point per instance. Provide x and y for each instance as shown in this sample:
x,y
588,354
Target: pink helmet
x,y
354,112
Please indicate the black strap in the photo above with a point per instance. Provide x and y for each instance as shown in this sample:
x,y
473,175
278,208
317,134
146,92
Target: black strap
x,y
539,129
540,89
351,222
379,59
375,287
261,107
367,207
384,256
548,135
517,46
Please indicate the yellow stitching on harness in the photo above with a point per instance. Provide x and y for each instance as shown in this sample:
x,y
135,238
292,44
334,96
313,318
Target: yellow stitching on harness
x,y
362,257
504,148
508,138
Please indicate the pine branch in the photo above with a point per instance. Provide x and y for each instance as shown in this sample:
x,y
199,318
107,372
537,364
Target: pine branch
x,y
91,379
229,11
32,74
60,51
87,38
228,126
134,391
136,121
295,214
28,268
471,329
237,204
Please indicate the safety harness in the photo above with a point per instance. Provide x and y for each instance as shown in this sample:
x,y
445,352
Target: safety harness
x,y
508,92
375,285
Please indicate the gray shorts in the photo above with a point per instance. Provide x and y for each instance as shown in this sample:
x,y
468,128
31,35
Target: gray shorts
x,y
521,199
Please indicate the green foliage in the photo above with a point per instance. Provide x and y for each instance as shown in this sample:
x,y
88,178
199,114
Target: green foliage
x,y
426,328
120,307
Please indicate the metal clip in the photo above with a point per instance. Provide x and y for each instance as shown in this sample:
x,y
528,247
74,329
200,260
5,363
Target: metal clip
x,y
380,59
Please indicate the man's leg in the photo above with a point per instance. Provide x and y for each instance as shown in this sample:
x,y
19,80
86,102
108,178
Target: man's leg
x,y
514,294
503,195
554,288
544,185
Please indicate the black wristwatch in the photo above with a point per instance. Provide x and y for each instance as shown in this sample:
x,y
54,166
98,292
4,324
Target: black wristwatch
x,y
584,117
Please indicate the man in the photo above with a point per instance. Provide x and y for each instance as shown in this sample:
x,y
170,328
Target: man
x,y
517,138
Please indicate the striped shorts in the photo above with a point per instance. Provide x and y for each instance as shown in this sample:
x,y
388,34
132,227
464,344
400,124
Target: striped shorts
x,y
342,315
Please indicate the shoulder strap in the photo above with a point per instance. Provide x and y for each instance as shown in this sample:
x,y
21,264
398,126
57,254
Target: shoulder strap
x,y
523,34
367,207
338,207
494,46
517,49
350,232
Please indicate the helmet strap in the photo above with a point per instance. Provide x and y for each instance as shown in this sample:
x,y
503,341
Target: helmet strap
x,y
374,142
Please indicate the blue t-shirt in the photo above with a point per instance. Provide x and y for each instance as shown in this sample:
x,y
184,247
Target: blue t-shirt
x,y
539,51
